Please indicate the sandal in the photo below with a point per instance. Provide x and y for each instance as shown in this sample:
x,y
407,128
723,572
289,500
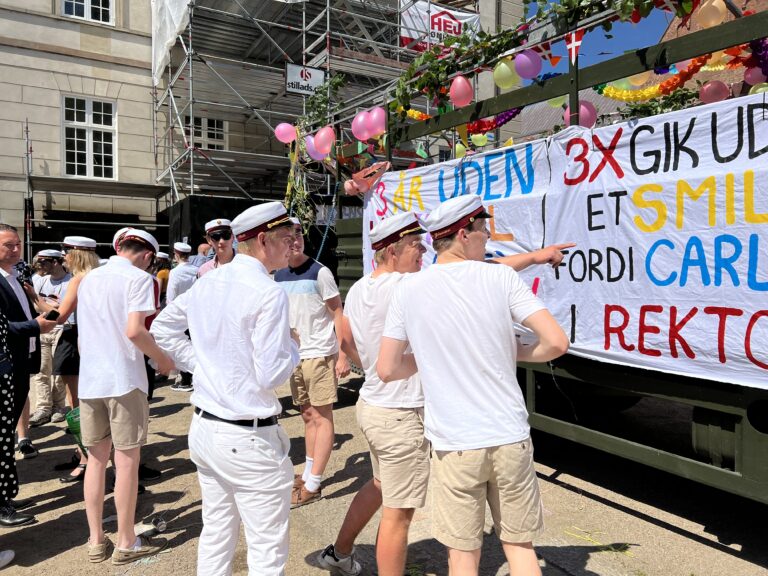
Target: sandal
x,y
70,479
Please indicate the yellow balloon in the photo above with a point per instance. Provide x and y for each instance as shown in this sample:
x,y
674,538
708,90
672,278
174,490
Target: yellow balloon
x,y
460,150
479,140
710,14
640,79
504,75
557,101
759,88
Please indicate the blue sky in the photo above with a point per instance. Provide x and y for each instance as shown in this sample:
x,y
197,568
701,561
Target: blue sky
x,y
596,47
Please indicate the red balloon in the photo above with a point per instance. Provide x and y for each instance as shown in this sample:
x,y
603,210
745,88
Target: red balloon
x,y
461,92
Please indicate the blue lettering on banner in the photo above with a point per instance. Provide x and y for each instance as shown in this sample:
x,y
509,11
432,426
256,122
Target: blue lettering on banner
x,y
490,178
475,166
690,260
726,263
672,275
752,280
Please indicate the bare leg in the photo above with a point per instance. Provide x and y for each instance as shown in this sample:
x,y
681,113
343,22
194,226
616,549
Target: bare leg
x,y
309,430
364,505
522,559
322,417
94,488
126,487
463,563
392,541
71,383
22,427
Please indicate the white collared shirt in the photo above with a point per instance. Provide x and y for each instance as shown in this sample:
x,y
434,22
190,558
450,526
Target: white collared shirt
x,y
13,280
241,347
180,279
110,364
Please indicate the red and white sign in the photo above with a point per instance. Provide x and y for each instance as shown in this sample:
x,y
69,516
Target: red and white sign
x,y
573,43
424,24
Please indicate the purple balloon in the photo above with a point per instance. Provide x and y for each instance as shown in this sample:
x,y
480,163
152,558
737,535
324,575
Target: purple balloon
x,y
528,64
311,150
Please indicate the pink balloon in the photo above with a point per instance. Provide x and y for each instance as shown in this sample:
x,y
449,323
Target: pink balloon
x,y
313,152
286,133
713,91
528,64
461,92
360,126
377,121
324,140
587,114
754,76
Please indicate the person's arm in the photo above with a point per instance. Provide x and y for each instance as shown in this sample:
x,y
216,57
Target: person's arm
x,y
335,307
551,255
168,330
31,328
275,352
137,333
552,342
69,303
170,291
347,341
393,363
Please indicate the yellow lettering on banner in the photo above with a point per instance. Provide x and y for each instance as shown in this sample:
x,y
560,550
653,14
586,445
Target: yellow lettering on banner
x,y
658,205
684,189
730,201
750,215
398,198
495,235
413,192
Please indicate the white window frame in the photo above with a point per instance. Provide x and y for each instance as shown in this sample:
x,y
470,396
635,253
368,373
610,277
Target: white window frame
x,y
89,128
87,4
203,141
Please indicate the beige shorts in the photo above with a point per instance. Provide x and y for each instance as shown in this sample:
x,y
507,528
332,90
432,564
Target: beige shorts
x,y
314,382
399,453
502,475
123,418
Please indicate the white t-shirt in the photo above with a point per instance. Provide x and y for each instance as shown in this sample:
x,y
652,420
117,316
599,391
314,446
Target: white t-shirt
x,y
309,286
110,364
366,307
459,320
54,290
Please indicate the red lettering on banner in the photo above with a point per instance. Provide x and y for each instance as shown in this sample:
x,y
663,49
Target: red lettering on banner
x,y
722,313
674,332
618,330
646,328
748,338
607,156
582,157
380,191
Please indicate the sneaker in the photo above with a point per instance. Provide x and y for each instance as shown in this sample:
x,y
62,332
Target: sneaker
x,y
59,415
27,449
147,473
40,417
301,497
145,548
346,566
182,387
100,552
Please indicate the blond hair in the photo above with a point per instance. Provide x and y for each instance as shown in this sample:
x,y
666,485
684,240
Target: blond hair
x,y
82,261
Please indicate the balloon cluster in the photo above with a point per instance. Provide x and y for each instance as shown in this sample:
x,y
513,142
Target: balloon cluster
x,y
369,124
759,73
587,114
687,70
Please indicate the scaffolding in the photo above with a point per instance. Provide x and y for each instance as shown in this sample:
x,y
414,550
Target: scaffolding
x,y
223,88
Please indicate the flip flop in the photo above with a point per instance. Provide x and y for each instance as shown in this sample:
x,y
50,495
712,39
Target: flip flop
x,y
69,479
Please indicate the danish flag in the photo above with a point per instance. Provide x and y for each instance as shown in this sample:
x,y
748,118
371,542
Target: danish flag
x,y
573,43
545,51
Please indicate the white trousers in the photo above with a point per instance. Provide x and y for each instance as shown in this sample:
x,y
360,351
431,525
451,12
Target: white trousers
x,y
245,474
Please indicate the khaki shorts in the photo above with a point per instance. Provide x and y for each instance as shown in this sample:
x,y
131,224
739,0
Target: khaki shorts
x,y
124,418
502,475
399,453
314,382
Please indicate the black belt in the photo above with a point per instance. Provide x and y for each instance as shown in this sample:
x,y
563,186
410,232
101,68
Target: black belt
x,y
259,422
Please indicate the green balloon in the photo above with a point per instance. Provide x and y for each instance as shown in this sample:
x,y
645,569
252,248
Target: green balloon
x,y
622,84
504,75
557,101
759,88
460,150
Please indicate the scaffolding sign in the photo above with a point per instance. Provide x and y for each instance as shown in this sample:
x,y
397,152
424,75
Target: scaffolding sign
x,y
303,80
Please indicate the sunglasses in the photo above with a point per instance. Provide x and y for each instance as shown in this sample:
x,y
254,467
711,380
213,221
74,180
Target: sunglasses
x,y
45,261
216,236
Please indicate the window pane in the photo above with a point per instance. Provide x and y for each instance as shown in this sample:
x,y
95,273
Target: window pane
x,y
108,173
106,118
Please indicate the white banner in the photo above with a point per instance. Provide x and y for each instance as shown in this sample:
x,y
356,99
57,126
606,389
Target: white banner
x,y
303,80
427,23
670,217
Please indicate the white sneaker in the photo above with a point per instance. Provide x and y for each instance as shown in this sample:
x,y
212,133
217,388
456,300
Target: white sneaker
x,y
6,557
346,566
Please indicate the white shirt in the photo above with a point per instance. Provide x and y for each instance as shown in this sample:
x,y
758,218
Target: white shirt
x,y
241,347
180,279
366,308
21,296
309,286
110,364
459,319
54,290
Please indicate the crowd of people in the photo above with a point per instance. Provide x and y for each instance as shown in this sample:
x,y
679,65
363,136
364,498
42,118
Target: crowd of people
x,y
438,349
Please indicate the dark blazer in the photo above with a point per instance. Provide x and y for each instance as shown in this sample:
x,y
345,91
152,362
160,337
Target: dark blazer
x,y
20,331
